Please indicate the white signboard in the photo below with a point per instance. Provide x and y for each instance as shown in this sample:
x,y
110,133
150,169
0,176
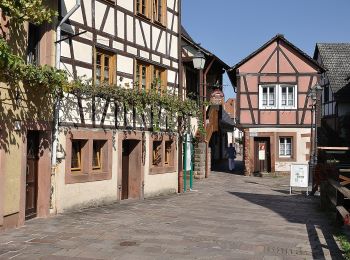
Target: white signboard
x,y
262,151
188,153
299,175
253,134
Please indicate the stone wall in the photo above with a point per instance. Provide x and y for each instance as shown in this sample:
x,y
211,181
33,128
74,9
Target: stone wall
x,y
199,160
246,143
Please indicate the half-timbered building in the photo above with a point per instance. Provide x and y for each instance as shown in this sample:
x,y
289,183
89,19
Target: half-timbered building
x,y
273,105
335,81
106,151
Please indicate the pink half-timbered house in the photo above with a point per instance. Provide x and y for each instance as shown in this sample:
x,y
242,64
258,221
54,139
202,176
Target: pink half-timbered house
x,y
273,107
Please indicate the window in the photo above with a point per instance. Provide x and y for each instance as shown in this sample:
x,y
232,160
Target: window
x,y
162,154
158,80
142,79
142,7
33,44
104,67
89,156
285,146
168,158
157,153
277,96
159,11
287,96
76,163
97,154
149,76
326,94
152,9
268,96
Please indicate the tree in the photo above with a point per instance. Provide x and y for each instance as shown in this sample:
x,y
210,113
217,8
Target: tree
x,y
34,11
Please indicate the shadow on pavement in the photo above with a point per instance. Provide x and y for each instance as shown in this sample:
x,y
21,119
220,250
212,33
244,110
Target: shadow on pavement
x,y
222,166
298,210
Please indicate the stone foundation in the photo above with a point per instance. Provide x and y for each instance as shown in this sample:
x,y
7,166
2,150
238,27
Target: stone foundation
x,y
199,160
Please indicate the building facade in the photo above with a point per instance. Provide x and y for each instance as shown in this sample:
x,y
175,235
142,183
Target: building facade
x,y
273,105
335,81
204,85
107,152
25,129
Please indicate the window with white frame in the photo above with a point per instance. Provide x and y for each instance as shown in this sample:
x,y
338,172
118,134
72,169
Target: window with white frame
x,y
277,96
287,96
268,96
285,146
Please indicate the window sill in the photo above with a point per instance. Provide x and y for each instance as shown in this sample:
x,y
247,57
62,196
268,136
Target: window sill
x,y
161,170
72,178
286,159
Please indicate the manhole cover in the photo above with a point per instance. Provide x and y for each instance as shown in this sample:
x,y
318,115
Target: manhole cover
x,y
128,243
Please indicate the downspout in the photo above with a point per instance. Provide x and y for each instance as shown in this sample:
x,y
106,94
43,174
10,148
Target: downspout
x,y
207,170
181,120
57,103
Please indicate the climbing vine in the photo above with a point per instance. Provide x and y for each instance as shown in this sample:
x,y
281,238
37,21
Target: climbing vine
x,y
34,11
13,70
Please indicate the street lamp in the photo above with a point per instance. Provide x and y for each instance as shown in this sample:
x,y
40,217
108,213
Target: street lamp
x,y
313,94
199,60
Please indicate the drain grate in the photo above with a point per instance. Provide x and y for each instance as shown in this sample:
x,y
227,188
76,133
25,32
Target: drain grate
x,y
128,243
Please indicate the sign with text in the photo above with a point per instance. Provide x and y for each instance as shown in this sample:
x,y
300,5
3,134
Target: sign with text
x,y
262,147
299,175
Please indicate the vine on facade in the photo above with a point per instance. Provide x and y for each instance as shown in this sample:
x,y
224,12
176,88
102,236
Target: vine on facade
x,y
14,70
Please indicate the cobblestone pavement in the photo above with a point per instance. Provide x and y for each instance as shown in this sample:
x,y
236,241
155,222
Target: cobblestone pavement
x,y
228,217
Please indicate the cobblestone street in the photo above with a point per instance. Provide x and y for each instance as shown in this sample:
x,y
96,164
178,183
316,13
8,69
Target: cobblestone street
x,y
227,217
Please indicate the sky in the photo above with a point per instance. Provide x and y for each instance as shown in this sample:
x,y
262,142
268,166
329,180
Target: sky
x,y
233,29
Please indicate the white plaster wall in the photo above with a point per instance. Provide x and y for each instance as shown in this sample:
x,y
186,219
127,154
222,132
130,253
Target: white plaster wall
x,y
120,25
125,64
171,76
130,28
88,12
81,72
109,26
127,4
66,6
81,195
100,10
82,52
162,44
155,36
69,111
147,30
65,49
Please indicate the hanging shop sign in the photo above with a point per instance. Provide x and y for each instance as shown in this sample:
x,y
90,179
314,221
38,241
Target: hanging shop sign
x,y
217,97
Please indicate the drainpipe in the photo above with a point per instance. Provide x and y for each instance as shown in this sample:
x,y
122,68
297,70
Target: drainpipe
x,y
204,76
57,101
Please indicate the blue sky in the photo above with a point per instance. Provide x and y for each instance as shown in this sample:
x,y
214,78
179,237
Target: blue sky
x,y
233,29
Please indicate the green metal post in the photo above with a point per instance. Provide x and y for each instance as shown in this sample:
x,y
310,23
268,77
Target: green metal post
x,y
184,166
191,170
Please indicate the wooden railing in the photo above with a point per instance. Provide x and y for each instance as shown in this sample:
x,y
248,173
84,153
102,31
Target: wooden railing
x,y
335,182
213,124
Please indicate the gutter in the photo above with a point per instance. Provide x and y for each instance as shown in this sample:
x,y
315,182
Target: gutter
x,y
58,103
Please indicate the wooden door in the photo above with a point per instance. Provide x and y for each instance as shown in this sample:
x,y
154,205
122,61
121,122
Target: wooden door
x,y
131,170
32,174
262,161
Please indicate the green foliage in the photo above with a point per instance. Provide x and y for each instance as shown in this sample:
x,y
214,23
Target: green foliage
x,y
54,82
14,70
34,11
344,244
160,103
